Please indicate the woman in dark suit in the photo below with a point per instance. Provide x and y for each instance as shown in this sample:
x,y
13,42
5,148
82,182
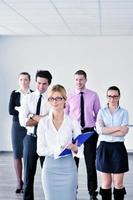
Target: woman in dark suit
x,y
18,132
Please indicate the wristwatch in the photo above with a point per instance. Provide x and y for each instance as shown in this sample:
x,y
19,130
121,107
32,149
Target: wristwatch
x,y
31,115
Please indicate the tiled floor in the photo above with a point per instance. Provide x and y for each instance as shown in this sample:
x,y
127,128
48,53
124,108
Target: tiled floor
x,y
8,181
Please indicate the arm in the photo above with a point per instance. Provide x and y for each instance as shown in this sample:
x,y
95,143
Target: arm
x,y
34,120
114,131
12,110
41,140
24,112
120,130
67,108
96,105
76,129
123,128
31,122
75,132
123,131
102,128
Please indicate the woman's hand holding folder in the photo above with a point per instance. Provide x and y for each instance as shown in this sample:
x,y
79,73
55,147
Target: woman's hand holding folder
x,y
73,147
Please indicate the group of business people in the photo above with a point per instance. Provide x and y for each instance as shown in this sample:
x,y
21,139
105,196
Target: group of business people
x,y
47,120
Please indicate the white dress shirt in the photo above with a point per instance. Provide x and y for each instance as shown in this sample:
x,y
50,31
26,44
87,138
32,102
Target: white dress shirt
x,y
29,107
50,142
22,97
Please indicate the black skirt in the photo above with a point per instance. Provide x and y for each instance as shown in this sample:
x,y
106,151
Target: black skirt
x,y
18,134
112,157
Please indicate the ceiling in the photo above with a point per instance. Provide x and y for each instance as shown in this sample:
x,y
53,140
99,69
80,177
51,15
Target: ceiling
x,y
66,17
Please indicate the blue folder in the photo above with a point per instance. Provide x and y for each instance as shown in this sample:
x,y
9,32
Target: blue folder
x,y
65,152
80,139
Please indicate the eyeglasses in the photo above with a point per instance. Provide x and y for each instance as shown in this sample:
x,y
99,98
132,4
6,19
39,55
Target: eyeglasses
x,y
113,97
58,99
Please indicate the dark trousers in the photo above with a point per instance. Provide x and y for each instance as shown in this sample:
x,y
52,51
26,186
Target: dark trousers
x,y
90,158
30,164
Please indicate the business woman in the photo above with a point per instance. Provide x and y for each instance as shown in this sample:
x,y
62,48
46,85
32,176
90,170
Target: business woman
x,y
17,132
55,132
112,159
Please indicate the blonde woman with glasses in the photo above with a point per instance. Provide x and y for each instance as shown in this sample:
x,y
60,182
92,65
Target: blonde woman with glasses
x,y
55,132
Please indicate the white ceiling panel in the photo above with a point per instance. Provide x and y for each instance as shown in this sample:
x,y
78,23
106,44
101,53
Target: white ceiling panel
x,y
66,17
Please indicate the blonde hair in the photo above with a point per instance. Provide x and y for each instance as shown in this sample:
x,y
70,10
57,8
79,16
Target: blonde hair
x,y
57,88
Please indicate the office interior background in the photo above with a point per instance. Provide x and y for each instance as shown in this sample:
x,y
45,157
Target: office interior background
x,y
63,36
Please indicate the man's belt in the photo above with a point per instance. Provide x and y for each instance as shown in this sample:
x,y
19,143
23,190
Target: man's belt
x,y
32,134
87,129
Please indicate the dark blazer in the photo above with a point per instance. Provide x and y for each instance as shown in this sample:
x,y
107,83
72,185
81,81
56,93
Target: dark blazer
x,y
14,101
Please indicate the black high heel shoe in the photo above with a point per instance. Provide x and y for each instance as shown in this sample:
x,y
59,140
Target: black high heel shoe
x,y
20,190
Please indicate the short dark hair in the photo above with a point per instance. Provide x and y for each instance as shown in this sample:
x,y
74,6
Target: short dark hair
x,y
44,74
81,72
25,73
114,88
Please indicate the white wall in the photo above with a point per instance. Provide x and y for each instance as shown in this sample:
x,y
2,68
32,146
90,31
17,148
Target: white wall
x,y
107,61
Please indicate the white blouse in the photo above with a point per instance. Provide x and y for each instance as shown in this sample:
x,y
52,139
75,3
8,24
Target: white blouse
x,y
51,142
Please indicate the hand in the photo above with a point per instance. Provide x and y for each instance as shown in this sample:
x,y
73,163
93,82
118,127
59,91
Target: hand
x,y
124,129
36,118
73,147
17,108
